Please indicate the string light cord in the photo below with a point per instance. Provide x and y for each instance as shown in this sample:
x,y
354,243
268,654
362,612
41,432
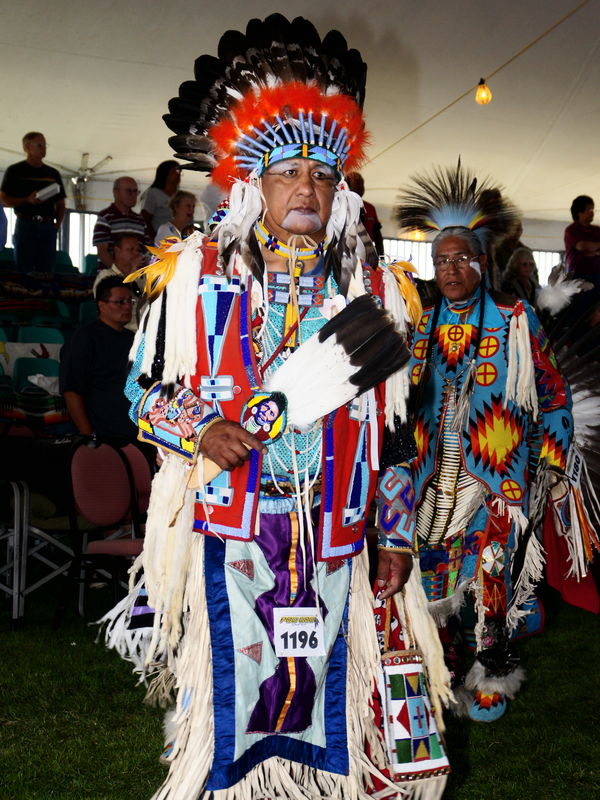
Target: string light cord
x,y
474,87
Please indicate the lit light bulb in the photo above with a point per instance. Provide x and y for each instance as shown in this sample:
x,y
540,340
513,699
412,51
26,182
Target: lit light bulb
x,y
483,95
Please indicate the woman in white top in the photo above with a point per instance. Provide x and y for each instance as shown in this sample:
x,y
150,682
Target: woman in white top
x,y
182,205
156,199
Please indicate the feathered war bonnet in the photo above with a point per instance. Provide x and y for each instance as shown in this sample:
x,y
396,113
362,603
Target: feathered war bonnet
x,y
275,92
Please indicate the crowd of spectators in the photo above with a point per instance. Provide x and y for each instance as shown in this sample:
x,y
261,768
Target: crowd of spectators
x,y
35,190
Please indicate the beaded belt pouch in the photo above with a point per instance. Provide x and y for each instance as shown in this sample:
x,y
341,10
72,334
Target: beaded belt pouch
x,y
414,746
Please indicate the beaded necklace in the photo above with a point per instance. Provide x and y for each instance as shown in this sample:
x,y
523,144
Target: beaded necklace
x,y
275,245
295,256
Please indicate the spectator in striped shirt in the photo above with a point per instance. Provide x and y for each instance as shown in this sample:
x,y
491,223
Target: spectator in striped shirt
x,y
119,218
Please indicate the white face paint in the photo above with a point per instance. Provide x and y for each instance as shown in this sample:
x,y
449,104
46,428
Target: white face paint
x,y
302,220
475,265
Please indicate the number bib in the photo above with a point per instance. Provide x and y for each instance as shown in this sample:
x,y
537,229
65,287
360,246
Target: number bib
x,y
298,632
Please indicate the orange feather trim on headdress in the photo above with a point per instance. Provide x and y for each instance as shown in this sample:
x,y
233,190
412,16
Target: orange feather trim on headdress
x,y
286,101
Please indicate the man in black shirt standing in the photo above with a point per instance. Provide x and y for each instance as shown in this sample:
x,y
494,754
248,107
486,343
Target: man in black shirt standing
x,y
94,366
39,216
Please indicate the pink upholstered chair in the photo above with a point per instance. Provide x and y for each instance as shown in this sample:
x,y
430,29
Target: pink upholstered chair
x,y
105,493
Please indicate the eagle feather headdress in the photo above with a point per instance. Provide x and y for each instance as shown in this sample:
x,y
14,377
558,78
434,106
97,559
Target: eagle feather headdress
x,y
272,92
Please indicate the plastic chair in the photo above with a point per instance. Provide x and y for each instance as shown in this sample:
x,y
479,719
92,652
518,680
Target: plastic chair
x,y
52,556
91,264
31,333
24,367
88,310
62,308
43,320
10,562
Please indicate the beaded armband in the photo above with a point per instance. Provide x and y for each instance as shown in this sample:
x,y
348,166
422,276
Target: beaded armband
x,y
174,424
395,502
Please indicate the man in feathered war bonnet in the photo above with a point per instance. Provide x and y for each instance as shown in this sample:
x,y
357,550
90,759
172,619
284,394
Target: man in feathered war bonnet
x,y
493,429
255,576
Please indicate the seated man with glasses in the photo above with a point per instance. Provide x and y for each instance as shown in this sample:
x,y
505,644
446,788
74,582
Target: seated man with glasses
x,y
119,218
127,258
94,367
493,414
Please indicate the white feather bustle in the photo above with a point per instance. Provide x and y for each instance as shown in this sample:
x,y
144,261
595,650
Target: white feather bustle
x,y
585,418
509,685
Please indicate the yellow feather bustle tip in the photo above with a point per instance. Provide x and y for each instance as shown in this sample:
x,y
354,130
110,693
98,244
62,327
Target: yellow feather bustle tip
x,y
159,273
407,289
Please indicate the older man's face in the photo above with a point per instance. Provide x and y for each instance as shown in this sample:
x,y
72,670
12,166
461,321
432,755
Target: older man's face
x,y
126,192
128,255
298,195
456,279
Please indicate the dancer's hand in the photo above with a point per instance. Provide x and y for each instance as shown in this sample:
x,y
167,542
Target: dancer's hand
x,y
228,444
393,570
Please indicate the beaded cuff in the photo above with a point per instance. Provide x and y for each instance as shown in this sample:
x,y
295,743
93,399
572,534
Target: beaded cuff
x,y
174,424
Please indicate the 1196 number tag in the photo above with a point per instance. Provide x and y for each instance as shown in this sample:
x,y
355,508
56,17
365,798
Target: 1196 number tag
x,y
298,632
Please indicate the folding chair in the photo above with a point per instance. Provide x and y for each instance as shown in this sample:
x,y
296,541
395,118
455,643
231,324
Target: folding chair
x,y
104,494
10,558
26,543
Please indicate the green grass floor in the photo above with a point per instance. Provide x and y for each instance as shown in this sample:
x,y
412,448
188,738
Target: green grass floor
x,y
73,724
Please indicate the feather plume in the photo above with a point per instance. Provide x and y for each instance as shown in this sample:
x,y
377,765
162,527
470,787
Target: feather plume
x,y
455,197
158,274
556,296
